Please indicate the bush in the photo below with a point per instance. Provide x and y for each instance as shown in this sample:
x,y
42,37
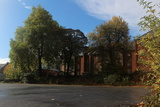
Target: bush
x,y
98,78
153,97
126,81
117,79
111,79
30,78
143,78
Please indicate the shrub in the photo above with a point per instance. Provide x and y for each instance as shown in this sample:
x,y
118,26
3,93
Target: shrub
x,y
126,81
98,78
141,78
111,79
30,78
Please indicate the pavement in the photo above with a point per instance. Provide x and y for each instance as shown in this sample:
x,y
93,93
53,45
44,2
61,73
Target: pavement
x,y
33,95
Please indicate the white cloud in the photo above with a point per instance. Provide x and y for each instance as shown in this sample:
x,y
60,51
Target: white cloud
x,y
129,10
28,7
4,60
24,4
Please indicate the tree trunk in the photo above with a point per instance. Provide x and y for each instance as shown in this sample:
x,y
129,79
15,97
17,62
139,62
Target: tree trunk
x,y
68,65
39,62
111,55
75,69
102,69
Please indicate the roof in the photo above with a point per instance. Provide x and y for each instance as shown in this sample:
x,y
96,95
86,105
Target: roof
x,y
2,66
149,32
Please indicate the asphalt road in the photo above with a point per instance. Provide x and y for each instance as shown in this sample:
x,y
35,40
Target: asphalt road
x,y
30,95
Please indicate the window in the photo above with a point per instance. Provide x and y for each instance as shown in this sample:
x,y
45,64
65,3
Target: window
x,y
128,64
78,66
129,70
96,57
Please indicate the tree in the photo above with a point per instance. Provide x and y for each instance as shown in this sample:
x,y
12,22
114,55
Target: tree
x,y
20,54
11,72
151,48
73,43
41,33
110,40
36,41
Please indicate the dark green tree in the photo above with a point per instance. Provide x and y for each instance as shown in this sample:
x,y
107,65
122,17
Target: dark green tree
x,y
73,43
38,38
41,30
109,41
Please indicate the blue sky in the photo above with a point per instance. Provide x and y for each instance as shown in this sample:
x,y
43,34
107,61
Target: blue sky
x,y
76,14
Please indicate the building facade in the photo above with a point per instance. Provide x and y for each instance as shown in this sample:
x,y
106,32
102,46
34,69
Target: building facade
x,y
90,63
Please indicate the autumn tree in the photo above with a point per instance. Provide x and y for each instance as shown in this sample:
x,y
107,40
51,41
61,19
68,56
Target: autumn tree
x,y
110,40
36,41
151,48
73,43
11,72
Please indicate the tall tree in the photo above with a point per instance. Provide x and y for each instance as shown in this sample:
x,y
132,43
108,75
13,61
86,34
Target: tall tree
x,y
41,33
110,40
151,48
37,38
73,43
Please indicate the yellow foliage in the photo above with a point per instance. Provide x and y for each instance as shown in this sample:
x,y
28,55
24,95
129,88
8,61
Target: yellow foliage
x,y
11,73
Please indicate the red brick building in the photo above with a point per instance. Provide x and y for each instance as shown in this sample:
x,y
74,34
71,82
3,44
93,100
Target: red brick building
x,y
130,60
89,63
136,65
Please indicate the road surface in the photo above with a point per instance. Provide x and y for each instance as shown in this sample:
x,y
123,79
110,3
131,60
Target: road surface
x,y
31,95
